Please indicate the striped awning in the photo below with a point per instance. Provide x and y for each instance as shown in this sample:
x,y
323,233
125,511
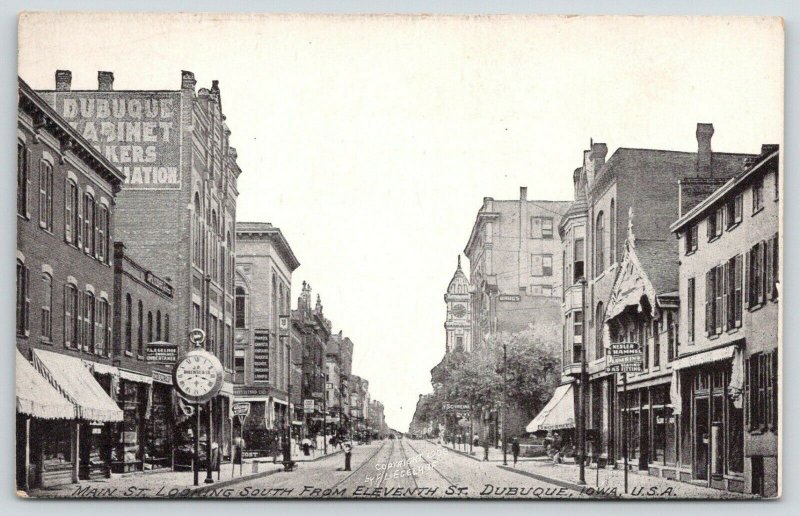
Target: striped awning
x,y
76,383
36,397
559,413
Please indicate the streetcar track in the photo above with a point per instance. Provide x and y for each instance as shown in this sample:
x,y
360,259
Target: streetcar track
x,y
405,461
432,466
364,463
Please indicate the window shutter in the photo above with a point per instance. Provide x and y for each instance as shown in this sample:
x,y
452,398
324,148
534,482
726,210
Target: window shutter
x,y
768,272
79,213
718,298
775,266
737,293
28,170
109,334
67,317
709,302
27,301
762,277
748,278
774,399
725,305
748,401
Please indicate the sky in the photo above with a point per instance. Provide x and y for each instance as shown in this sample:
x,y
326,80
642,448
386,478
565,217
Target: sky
x,y
371,141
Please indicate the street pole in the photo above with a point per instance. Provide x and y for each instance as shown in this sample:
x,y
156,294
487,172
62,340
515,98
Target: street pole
x,y
196,464
625,428
582,393
324,412
209,464
470,430
505,402
290,416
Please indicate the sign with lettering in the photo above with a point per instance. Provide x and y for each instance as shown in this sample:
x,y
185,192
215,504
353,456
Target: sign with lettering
x,y
624,363
162,353
308,406
161,377
158,284
283,325
138,131
250,390
617,349
509,298
241,409
261,355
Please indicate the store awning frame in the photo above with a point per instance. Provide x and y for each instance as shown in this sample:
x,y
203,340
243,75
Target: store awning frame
x,y
36,397
705,357
558,414
70,377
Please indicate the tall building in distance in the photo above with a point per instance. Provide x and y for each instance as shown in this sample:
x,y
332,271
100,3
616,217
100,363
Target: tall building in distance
x,y
458,329
176,210
514,254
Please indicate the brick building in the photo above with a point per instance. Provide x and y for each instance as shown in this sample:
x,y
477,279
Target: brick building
x,y
264,266
314,330
66,221
144,311
177,208
726,372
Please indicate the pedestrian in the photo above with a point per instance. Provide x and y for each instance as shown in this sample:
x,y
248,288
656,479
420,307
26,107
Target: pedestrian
x,y
348,449
306,446
485,450
515,450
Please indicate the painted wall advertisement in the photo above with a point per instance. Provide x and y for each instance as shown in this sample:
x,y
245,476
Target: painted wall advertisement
x,y
137,131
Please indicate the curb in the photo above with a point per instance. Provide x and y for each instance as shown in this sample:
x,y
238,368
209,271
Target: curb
x,y
236,480
549,480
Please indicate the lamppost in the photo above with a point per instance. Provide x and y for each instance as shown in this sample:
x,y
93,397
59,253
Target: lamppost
x,y
582,391
505,402
324,410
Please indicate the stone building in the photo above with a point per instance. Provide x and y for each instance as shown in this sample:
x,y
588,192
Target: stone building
x,y
458,331
264,266
726,372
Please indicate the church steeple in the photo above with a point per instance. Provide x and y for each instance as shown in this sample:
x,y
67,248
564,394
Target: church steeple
x,y
457,324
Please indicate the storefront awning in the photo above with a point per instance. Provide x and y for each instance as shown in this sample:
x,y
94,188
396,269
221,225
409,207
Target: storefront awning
x,y
135,377
705,357
76,383
558,413
36,397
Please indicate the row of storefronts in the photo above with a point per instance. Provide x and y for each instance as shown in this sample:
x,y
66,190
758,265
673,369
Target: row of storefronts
x,y
697,292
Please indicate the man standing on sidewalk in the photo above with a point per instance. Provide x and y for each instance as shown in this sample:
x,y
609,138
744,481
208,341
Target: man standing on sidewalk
x,y
515,450
485,450
348,449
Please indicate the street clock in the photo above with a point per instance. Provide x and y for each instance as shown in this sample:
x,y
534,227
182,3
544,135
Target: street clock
x,y
198,376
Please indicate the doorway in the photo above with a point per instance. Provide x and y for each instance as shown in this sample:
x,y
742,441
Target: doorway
x,y
702,438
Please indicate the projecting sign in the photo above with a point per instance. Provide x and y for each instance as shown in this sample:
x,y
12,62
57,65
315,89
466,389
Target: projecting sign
x,y
162,353
283,325
512,298
316,394
241,409
140,132
617,349
261,355
624,363
308,406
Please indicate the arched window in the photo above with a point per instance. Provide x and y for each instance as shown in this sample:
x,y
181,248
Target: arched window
x,y
88,223
241,308
46,195
88,321
197,231
599,245
599,317
149,326
140,333
612,237
166,327
22,179
158,325
128,322
71,216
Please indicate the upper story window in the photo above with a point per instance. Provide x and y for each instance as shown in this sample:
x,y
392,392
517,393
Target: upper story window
x,y
578,265
72,316
733,211
599,244
140,329
541,265
690,239
103,235
47,307
71,215
541,227
758,195
599,345
23,299
240,309
690,309
46,195
88,223
714,224
23,180
128,323
166,328
612,234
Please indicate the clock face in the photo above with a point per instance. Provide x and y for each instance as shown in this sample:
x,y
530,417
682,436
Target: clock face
x,y
198,376
459,310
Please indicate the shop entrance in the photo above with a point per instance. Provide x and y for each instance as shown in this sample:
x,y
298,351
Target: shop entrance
x,y
702,438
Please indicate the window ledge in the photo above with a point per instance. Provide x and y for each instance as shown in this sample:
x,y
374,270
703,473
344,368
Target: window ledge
x,y
690,253
733,226
715,238
139,357
732,331
45,340
713,336
128,353
756,212
755,308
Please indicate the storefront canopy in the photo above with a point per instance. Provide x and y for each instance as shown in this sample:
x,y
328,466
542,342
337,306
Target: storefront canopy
x,y
559,412
76,383
36,397
705,357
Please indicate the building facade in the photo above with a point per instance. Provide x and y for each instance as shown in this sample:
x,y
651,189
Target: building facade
x,y
66,222
727,370
264,266
177,207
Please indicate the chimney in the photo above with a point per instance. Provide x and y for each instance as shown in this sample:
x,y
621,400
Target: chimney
x,y
599,151
704,133
523,193
187,80
63,80
105,81
769,148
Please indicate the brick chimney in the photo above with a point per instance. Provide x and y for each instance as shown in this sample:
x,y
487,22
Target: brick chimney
x,y
105,81
704,133
63,80
523,193
187,80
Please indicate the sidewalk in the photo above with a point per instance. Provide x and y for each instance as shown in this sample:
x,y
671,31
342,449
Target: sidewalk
x,y
167,483
495,454
610,482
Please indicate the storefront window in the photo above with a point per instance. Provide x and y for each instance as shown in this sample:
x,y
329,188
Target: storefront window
x,y
56,450
127,450
735,438
159,428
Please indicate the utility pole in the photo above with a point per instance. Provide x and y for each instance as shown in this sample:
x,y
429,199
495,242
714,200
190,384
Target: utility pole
x,y
505,402
290,416
209,477
324,410
582,393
